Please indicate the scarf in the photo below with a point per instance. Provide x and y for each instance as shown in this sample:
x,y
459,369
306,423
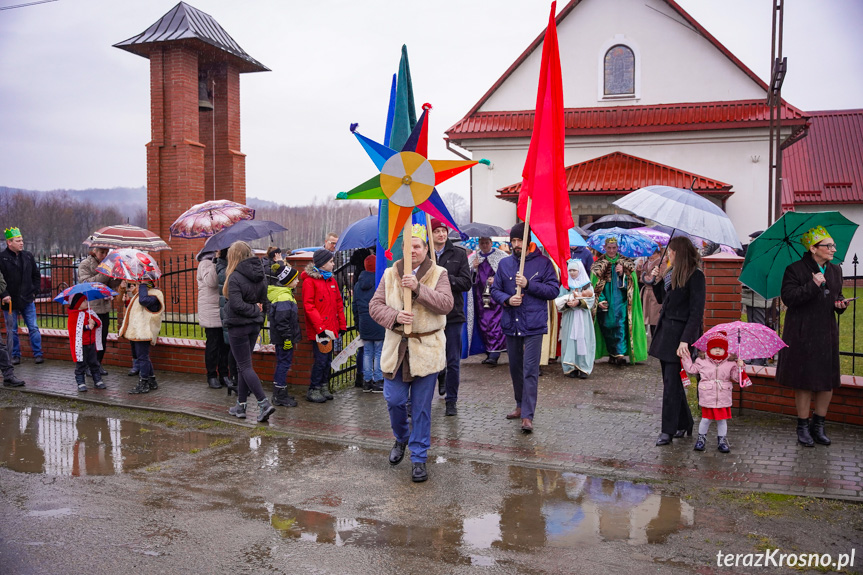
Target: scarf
x,y
325,275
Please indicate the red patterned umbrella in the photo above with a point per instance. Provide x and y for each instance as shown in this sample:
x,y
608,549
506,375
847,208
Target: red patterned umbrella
x,y
124,236
129,264
209,218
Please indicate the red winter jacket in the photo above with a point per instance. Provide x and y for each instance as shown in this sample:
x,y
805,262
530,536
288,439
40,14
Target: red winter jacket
x,y
322,302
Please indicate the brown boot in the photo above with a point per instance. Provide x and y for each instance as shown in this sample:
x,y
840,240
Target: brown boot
x,y
515,414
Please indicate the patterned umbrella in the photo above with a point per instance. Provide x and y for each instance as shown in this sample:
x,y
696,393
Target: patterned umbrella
x,y
630,243
209,218
90,290
128,264
125,236
746,340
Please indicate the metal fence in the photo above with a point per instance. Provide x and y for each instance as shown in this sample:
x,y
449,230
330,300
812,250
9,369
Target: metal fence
x,y
180,285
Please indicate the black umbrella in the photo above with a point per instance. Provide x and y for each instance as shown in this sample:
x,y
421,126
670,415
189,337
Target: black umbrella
x,y
478,230
614,221
581,231
244,230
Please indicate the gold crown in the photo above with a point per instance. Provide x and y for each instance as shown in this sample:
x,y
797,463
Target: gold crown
x,y
610,240
813,236
419,231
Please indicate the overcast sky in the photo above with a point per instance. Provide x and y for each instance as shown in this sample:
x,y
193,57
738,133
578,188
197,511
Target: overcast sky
x,y
74,111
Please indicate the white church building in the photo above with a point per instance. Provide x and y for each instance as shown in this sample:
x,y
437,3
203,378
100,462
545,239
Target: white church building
x,y
651,98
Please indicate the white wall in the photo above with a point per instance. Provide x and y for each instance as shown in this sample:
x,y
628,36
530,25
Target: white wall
x,y
677,64
855,214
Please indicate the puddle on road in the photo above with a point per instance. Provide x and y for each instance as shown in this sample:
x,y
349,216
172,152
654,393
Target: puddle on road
x,y
542,508
55,442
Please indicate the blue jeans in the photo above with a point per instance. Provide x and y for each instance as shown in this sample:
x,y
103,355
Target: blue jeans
x,y
421,391
29,315
320,367
284,360
524,355
372,360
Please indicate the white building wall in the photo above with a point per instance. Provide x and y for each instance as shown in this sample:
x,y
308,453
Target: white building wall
x,y
676,63
855,214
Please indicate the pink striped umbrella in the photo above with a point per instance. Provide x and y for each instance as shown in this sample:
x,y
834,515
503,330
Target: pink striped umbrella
x,y
126,236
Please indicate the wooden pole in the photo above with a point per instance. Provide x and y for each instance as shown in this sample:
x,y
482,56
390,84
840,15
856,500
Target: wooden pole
x,y
408,266
524,239
431,242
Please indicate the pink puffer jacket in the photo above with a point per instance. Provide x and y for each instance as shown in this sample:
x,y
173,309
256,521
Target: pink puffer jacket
x,y
717,379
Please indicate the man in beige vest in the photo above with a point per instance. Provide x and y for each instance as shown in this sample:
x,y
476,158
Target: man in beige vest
x,y
410,363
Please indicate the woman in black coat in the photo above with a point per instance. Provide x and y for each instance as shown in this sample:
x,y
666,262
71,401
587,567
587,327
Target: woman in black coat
x,y
682,292
246,293
812,290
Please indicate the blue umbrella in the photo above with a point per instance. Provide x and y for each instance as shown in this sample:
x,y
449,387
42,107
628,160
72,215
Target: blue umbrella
x,y
90,290
244,230
575,238
630,243
360,234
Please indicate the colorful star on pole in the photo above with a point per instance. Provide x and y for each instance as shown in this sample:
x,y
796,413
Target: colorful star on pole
x,y
407,178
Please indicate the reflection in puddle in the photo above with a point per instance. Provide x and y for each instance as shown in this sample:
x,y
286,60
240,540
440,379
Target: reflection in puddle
x,y
55,442
541,509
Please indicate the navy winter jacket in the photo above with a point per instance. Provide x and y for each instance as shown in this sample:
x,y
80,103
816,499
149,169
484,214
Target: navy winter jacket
x,y
247,287
531,317
370,330
454,261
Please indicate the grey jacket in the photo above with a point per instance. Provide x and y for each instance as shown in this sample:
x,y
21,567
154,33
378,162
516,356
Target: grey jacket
x,y
750,298
87,273
208,294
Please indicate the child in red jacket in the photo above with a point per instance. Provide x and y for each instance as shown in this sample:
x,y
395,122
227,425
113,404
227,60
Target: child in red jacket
x,y
85,339
325,320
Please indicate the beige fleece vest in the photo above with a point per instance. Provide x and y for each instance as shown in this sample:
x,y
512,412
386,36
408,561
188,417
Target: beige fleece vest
x,y
139,323
427,353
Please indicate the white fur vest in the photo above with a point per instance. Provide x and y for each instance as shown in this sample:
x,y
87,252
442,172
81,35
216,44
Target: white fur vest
x,y
139,323
426,353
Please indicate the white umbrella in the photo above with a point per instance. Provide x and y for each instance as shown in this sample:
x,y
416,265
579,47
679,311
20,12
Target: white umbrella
x,y
683,210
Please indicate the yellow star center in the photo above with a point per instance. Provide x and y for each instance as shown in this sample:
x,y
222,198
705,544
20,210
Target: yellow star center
x,y
407,180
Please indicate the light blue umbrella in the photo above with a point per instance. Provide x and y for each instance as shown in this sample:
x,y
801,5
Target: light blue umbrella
x,y
682,210
630,243
575,240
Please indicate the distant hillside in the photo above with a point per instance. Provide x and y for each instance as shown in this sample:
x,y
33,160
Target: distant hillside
x,y
133,198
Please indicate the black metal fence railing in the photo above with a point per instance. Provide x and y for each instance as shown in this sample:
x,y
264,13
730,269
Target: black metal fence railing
x,y
849,332
347,374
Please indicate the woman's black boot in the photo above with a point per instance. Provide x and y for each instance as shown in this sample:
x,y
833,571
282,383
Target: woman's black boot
x,y
803,436
816,430
664,439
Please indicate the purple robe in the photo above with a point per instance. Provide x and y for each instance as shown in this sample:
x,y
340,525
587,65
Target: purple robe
x,y
488,319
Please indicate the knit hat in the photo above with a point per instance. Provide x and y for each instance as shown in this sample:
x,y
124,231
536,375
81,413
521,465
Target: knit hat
x,y
77,299
436,223
283,273
814,236
517,231
369,263
321,257
718,339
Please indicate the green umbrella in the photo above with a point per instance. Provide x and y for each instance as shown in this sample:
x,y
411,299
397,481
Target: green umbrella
x,y
772,252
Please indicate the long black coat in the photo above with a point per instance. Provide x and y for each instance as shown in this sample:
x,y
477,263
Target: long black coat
x,y
681,317
454,260
811,360
22,277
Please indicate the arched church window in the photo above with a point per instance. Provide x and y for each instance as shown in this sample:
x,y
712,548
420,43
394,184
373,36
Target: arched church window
x,y
619,71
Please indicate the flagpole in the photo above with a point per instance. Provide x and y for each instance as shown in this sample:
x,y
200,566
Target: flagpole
x,y
406,265
524,239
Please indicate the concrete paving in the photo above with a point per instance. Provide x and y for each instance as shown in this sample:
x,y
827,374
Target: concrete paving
x,y
605,425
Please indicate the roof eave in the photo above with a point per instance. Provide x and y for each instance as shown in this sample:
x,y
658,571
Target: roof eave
x,y
144,50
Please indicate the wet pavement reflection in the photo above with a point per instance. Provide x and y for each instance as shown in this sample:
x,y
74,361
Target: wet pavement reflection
x,y
56,442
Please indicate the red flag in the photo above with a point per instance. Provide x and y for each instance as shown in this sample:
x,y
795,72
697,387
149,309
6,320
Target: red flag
x,y
544,175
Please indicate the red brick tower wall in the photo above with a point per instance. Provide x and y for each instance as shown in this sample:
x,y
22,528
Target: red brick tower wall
x,y
723,289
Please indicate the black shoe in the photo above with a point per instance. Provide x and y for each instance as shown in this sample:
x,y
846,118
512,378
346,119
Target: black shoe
x,y
281,397
816,430
803,436
419,473
39,359
151,381
581,374
490,361
102,371
699,443
572,374
142,387
82,388
367,386
134,371
451,408
315,396
99,385
441,385
325,391
231,384
681,432
12,381
377,387
664,439
16,360
213,383
722,444
397,453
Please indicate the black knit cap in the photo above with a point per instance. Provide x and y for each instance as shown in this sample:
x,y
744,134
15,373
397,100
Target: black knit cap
x,y
517,231
283,274
321,257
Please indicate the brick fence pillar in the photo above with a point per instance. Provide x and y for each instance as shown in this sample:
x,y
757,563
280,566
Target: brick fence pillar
x,y
301,370
61,272
723,289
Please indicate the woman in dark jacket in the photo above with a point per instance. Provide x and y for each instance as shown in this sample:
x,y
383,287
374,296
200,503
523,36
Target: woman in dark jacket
x,y
371,332
246,293
221,262
812,290
682,292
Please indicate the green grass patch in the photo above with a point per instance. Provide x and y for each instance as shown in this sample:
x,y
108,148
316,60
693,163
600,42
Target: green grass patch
x,y
767,504
194,450
221,442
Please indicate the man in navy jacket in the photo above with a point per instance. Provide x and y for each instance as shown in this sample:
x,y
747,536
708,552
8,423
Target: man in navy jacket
x,y
525,319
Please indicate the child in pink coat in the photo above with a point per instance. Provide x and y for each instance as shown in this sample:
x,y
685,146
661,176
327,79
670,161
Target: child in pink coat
x,y
718,375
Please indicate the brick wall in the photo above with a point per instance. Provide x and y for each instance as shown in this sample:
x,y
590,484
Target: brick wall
x,y
723,289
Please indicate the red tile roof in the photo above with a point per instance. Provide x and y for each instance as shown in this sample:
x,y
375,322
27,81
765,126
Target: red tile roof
x,y
629,119
826,166
618,173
